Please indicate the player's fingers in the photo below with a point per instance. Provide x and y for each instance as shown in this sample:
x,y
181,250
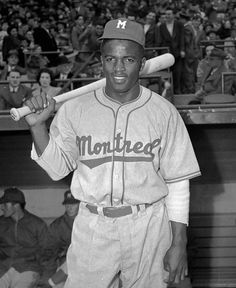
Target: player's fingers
x,y
181,273
30,104
184,273
51,103
167,269
172,276
35,104
39,103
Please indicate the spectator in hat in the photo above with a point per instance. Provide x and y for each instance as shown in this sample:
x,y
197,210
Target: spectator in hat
x,y
229,48
63,70
30,78
90,39
188,75
13,41
203,64
46,40
212,35
76,32
37,57
171,35
151,33
212,78
12,63
59,238
22,239
14,93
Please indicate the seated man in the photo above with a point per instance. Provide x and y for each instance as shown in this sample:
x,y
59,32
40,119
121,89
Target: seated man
x,y
14,93
203,64
63,71
212,79
59,239
22,238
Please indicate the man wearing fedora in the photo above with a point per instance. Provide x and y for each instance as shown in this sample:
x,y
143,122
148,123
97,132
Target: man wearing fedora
x,y
59,239
212,81
22,238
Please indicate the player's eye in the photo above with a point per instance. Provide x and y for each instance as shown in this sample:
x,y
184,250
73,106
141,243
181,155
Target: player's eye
x,y
109,59
129,60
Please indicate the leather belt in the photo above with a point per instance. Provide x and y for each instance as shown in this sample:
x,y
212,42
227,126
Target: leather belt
x,y
114,212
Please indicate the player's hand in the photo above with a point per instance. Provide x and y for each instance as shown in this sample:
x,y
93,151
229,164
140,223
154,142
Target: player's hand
x,y
175,262
42,108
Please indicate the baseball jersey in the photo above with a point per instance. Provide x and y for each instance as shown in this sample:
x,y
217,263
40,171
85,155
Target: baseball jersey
x,y
121,154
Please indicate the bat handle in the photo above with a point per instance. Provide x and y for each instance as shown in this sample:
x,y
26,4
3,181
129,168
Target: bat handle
x,y
18,113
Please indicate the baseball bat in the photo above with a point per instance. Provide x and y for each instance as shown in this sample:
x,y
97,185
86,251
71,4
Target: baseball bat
x,y
157,63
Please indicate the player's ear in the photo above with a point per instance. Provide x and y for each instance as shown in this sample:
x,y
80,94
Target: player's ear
x,y
143,61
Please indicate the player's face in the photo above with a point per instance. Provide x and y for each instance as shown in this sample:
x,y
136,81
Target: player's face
x,y
72,209
122,61
8,209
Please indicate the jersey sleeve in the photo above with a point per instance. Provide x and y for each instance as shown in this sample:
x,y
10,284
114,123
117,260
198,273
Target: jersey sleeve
x,y
177,160
59,157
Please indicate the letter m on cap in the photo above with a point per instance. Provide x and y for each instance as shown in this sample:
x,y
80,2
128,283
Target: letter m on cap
x,y
121,24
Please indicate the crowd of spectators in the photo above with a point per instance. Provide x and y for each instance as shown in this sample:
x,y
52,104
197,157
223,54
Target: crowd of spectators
x,y
41,34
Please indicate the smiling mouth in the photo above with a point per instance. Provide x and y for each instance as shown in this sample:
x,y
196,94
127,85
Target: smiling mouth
x,y
119,78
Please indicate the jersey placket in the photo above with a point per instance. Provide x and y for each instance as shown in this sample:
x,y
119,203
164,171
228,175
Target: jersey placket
x,y
118,157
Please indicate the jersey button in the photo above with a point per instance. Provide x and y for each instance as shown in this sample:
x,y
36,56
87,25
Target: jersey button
x,y
116,201
118,130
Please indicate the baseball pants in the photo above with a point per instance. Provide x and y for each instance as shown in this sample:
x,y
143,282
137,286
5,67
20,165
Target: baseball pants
x,y
131,247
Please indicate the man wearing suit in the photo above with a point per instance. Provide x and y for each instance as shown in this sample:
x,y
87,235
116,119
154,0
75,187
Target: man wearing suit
x,y
13,94
171,34
151,35
190,59
63,71
46,40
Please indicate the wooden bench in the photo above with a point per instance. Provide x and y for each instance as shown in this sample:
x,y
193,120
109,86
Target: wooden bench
x,y
212,250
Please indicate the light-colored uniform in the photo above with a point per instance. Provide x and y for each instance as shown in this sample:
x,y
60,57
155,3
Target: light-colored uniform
x,y
121,154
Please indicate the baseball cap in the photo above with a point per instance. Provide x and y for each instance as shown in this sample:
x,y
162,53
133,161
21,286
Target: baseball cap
x,y
12,194
126,29
69,198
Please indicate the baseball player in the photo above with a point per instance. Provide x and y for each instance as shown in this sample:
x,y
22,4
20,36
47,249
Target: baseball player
x,y
132,159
